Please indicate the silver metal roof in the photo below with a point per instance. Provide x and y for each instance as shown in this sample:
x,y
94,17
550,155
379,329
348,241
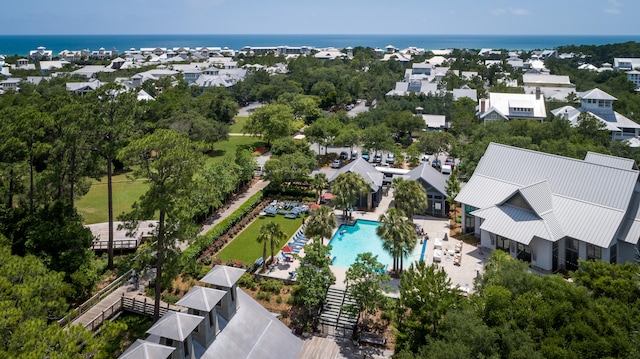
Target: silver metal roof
x,y
514,223
588,200
143,349
175,325
253,333
611,161
201,298
596,94
223,276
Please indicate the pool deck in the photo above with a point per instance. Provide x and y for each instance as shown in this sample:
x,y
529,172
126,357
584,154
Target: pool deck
x,y
471,263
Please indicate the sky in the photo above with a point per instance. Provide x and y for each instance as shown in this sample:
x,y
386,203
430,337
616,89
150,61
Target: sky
x,y
455,17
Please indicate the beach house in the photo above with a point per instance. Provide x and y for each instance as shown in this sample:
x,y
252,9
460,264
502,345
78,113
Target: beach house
x,y
550,210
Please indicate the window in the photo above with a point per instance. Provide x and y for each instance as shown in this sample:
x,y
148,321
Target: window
x,y
523,252
593,252
571,253
613,254
503,243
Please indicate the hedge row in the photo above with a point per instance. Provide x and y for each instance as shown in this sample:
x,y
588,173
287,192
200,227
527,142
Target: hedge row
x,y
203,242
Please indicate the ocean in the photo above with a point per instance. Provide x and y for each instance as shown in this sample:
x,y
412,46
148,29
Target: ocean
x,y
22,44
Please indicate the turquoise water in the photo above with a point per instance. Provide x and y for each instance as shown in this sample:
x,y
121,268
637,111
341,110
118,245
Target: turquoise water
x,y
349,241
21,44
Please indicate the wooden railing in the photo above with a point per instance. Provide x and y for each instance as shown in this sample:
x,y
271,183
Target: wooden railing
x,y
84,307
144,307
106,314
117,244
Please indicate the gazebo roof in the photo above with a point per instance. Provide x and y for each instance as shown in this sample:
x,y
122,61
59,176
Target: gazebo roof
x,y
223,276
143,349
175,325
201,298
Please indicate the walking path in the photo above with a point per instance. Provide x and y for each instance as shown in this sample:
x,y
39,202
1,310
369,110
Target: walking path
x,y
108,304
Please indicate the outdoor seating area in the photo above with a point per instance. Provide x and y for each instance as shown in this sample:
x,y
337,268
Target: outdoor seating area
x,y
290,210
297,241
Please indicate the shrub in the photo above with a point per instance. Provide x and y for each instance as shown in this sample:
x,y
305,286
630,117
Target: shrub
x,y
263,296
271,285
278,299
246,281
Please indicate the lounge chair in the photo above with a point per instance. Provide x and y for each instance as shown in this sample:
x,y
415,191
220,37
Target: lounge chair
x,y
437,255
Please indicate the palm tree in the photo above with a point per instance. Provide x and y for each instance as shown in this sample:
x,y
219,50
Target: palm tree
x,y
346,188
321,223
398,235
409,196
270,233
318,184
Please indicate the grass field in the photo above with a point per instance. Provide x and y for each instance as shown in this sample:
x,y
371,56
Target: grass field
x,y
237,127
93,205
245,247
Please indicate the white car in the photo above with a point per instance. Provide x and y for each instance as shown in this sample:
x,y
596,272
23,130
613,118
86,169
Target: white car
x,y
336,164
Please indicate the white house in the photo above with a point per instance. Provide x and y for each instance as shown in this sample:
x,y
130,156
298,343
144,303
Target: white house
x,y
41,53
552,86
626,63
551,210
634,76
510,106
599,104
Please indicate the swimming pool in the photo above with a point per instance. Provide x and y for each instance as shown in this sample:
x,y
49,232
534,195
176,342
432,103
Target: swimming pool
x,y
349,241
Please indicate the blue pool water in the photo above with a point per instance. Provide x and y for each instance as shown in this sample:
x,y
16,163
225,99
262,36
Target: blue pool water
x,y
349,241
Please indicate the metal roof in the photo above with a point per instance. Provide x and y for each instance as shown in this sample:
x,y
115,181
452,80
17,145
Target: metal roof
x,y
502,102
596,94
253,333
588,200
611,161
143,349
513,222
175,325
223,276
201,298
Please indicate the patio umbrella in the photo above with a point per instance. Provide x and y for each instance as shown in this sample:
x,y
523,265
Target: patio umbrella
x,y
287,249
327,196
314,206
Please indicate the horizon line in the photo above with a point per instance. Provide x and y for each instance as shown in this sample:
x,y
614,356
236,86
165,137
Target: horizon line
x,y
318,34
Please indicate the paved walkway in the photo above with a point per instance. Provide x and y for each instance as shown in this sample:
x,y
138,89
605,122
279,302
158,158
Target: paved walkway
x,y
230,208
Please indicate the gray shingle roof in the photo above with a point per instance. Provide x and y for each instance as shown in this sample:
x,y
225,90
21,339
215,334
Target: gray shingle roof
x,y
430,175
360,166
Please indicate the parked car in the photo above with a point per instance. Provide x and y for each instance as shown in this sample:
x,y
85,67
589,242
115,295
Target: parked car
x,y
365,156
446,170
391,159
436,164
377,158
354,154
336,164
344,155
451,162
424,159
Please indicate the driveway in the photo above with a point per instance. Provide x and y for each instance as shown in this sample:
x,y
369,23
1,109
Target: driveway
x,y
247,110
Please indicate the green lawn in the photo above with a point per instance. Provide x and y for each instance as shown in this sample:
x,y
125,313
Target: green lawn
x,y
93,205
237,126
245,247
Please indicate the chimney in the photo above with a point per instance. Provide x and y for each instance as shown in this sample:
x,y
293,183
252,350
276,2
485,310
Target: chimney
x,y
224,278
565,115
419,111
538,93
482,105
